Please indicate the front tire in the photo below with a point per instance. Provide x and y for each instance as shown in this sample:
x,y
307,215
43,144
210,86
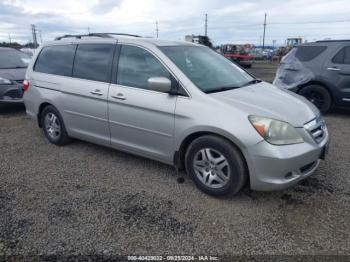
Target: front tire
x,y
216,166
319,96
53,126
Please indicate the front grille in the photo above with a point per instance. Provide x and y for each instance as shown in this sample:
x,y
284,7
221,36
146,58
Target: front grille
x,y
14,93
317,129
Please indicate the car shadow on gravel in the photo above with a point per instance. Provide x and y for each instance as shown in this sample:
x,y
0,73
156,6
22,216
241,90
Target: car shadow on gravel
x,y
341,111
11,110
294,195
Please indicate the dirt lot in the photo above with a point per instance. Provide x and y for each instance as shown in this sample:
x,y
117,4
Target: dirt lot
x,y
83,199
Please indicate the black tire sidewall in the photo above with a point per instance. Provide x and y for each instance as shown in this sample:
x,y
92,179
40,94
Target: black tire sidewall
x,y
233,156
63,136
321,90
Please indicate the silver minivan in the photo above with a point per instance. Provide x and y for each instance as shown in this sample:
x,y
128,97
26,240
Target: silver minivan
x,y
176,102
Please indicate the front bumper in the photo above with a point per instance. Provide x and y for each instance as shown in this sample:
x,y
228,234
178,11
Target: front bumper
x,y
11,94
279,167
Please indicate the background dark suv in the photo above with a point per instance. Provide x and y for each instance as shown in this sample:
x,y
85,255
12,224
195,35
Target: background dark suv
x,y
319,71
13,65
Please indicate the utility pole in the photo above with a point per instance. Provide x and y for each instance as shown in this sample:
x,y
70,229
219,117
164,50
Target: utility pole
x,y
10,38
206,25
35,41
157,29
88,30
41,38
264,32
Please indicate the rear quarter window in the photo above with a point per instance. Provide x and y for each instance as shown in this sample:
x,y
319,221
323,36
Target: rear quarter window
x,y
57,60
343,56
307,53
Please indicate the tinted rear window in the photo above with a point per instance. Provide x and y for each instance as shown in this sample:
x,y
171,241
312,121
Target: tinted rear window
x,y
57,60
307,53
93,61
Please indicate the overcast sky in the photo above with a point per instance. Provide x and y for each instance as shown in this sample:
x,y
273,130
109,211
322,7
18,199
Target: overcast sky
x,y
229,21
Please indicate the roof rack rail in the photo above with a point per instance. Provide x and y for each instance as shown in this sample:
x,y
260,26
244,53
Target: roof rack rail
x,y
104,35
122,34
333,40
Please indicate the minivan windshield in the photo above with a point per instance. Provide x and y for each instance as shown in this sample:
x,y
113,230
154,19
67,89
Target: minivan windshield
x,y
13,59
208,70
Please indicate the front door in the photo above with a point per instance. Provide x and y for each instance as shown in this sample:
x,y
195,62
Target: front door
x,y
141,119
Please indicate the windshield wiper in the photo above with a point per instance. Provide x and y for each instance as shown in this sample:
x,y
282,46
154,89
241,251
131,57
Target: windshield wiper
x,y
221,89
252,82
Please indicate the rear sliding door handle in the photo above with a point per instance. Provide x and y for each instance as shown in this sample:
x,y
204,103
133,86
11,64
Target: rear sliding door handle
x,y
333,69
96,92
119,96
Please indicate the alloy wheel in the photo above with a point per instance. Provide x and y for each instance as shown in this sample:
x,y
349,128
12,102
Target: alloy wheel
x,y
52,126
212,168
316,98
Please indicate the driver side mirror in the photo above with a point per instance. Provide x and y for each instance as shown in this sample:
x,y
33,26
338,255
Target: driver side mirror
x,y
160,84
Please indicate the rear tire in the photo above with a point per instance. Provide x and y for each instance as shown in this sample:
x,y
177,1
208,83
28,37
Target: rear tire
x,y
319,96
216,166
53,126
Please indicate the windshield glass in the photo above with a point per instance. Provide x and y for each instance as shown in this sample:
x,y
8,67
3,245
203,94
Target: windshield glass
x,y
208,70
13,59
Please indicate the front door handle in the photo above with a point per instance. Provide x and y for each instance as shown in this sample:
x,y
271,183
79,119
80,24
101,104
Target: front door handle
x,y
119,96
333,69
97,92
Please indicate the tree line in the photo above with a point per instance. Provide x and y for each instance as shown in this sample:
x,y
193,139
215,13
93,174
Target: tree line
x,y
16,45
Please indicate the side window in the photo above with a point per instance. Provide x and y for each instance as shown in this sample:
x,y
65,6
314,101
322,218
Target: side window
x,y
93,61
343,56
307,53
57,60
347,55
137,65
339,57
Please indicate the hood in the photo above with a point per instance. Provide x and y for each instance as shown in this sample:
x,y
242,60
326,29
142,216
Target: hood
x,y
264,99
13,74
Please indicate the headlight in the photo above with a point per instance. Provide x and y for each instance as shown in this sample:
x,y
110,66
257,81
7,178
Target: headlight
x,y
276,132
4,81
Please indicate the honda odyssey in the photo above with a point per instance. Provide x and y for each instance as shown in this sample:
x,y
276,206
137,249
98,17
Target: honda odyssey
x,y
175,102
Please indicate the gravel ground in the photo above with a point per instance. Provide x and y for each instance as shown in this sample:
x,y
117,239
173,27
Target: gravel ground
x,y
83,199
263,70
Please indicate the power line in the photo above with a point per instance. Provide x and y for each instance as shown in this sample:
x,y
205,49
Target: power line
x,y
310,22
279,23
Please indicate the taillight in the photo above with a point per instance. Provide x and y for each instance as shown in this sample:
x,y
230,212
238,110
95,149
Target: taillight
x,y
25,85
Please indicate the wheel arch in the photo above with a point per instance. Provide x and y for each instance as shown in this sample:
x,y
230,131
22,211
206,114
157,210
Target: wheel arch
x,y
179,156
40,110
320,83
